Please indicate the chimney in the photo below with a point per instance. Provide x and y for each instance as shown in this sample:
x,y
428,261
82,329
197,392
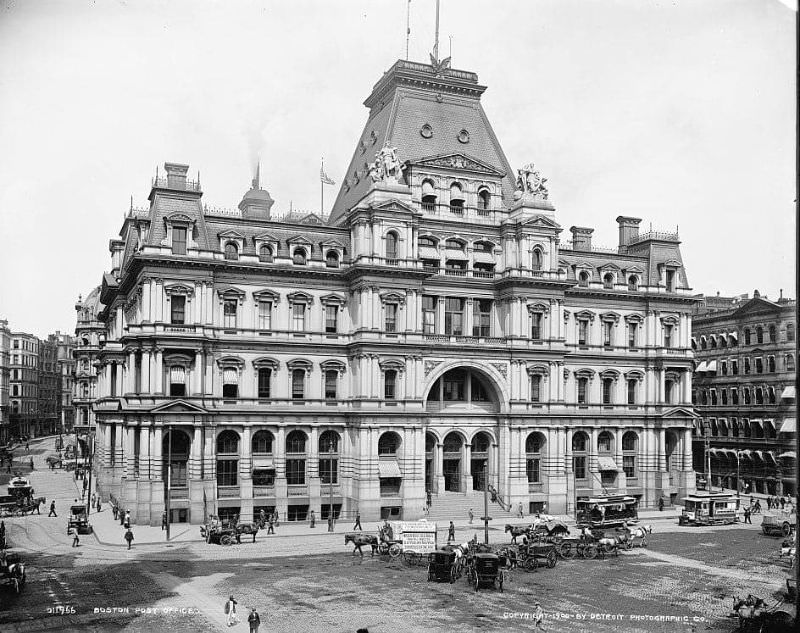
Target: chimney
x,y
581,238
628,229
176,175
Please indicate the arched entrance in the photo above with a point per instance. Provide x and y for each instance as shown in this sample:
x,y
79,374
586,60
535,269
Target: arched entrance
x,y
175,451
453,449
479,462
430,461
462,388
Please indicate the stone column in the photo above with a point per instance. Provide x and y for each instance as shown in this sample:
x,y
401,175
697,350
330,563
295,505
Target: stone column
x,y
662,452
440,315
144,453
438,459
156,459
158,387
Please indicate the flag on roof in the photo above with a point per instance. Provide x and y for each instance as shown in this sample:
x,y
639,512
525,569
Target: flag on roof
x,y
324,178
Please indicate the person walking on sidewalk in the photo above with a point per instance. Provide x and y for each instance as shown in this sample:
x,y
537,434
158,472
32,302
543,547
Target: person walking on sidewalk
x,y
313,523
163,520
519,510
127,523
271,524
98,504
254,620
75,540
93,502
357,524
115,510
230,611
53,509
451,532
129,537
747,515
471,515
661,504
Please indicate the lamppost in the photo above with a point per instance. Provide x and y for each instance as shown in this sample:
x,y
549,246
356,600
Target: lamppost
x,y
738,483
486,517
169,478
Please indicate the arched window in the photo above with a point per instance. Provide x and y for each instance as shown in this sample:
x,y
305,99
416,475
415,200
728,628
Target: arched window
x,y
759,334
388,443
484,199
533,457
391,245
296,465
456,199
228,443
630,444
296,442
773,334
262,442
608,281
789,362
265,253
428,241
537,259
605,442
713,342
633,283
583,279
747,336
329,457
428,196
790,331
299,256
630,441
231,251
580,442
332,259
481,443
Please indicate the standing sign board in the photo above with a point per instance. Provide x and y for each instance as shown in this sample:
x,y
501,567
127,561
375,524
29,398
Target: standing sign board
x,y
418,537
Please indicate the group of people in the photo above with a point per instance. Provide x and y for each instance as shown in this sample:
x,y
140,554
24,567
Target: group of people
x,y
269,520
773,503
232,618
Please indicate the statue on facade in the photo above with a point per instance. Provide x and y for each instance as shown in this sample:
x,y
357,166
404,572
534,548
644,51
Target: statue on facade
x,y
530,181
387,167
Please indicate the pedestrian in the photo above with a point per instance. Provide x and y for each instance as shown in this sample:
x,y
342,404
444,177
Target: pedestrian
x,y
230,611
163,520
129,537
757,507
98,504
32,468
254,620
121,517
114,510
271,524
75,540
313,522
262,518
330,524
276,518
538,616
127,523
451,532
519,510
94,500
2,534
747,514
783,503
27,448
357,524
52,509
428,498
661,504
471,515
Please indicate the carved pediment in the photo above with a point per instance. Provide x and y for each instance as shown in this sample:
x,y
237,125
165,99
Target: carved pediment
x,y
299,239
461,162
679,413
541,221
178,406
265,237
394,205
331,243
230,234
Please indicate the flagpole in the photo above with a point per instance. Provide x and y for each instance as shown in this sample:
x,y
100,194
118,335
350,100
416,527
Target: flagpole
x,y
321,186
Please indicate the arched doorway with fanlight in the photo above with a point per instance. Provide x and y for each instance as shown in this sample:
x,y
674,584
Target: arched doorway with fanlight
x,y
480,455
175,448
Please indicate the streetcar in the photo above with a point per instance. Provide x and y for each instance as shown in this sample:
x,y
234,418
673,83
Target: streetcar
x,y
606,511
709,508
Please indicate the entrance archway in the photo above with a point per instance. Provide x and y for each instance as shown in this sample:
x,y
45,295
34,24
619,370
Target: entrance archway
x,y
430,461
463,388
453,449
479,462
176,458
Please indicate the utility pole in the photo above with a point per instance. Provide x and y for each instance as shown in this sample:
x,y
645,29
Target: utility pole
x,y
169,476
486,517
738,485
90,464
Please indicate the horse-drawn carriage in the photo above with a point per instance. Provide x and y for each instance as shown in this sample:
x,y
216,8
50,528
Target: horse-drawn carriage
x,y
19,500
12,571
444,566
226,532
485,570
78,520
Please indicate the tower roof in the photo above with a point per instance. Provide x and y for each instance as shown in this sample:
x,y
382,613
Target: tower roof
x,y
409,97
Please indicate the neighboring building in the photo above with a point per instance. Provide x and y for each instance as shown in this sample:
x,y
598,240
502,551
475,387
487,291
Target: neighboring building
x,y
49,392
24,384
744,391
89,334
5,379
66,371
432,332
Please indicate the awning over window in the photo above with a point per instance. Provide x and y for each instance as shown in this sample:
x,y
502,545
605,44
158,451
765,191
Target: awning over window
x,y
451,253
229,376
788,392
388,469
770,456
177,375
734,336
788,454
789,426
428,252
264,464
482,257
702,367
606,463
712,366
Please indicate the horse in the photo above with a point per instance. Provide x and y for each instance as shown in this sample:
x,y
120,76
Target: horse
x,y
359,539
640,532
753,614
606,545
247,528
517,530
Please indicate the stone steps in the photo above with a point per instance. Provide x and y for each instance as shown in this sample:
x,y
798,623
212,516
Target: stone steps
x,y
451,506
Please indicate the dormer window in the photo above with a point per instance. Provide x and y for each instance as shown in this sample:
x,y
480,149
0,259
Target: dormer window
x,y
456,199
583,279
332,259
633,283
265,254
608,281
484,200
231,251
179,240
670,279
299,257
428,196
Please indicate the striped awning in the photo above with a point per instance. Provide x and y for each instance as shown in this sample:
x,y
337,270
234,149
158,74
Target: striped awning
x,y
734,336
606,463
702,367
712,366
389,469
428,252
789,426
788,392
177,375
482,257
788,455
770,456
230,376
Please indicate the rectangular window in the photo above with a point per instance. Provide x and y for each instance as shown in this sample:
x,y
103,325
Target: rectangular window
x,y
299,317
177,309
265,315
607,386
179,240
230,383
429,314
264,382
532,467
227,471
536,388
724,368
583,332
298,384
331,318
331,380
536,326
632,331
454,317
390,384
583,384
746,365
329,471
263,476
579,467
607,333
670,281
735,367
295,472
631,392
759,366
229,313
481,317
668,335
390,324
629,466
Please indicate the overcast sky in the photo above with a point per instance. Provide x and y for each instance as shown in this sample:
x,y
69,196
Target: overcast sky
x,y
681,113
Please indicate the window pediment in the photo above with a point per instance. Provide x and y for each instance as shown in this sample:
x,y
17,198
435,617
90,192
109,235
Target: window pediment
x,y
299,239
266,295
634,374
175,218
332,299
634,318
333,365
634,269
231,292
585,315
609,267
584,373
178,360
609,316
230,362
670,319
538,370
331,243
179,289
613,374
265,237
538,307
392,363
230,235
299,363
265,362
300,297
392,297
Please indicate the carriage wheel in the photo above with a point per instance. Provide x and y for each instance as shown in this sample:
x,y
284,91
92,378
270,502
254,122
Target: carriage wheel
x,y
608,548
500,581
453,574
226,539
552,559
395,550
530,564
566,550
476,580
786,529
590,552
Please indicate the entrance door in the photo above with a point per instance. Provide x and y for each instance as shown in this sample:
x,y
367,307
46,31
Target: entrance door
x,y
452,475
478,470
429,474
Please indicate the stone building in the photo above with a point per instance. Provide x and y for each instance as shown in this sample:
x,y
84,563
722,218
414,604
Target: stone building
x,y
24,384
5,380
49,391
66,371
744,392
435,332
89,335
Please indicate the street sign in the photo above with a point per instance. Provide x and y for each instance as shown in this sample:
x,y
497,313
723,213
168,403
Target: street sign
x,y
418,536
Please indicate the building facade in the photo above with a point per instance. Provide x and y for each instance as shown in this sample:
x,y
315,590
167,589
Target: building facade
x,y
89,335
433,333
49,392
744,392
5,381
66,370
24,384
